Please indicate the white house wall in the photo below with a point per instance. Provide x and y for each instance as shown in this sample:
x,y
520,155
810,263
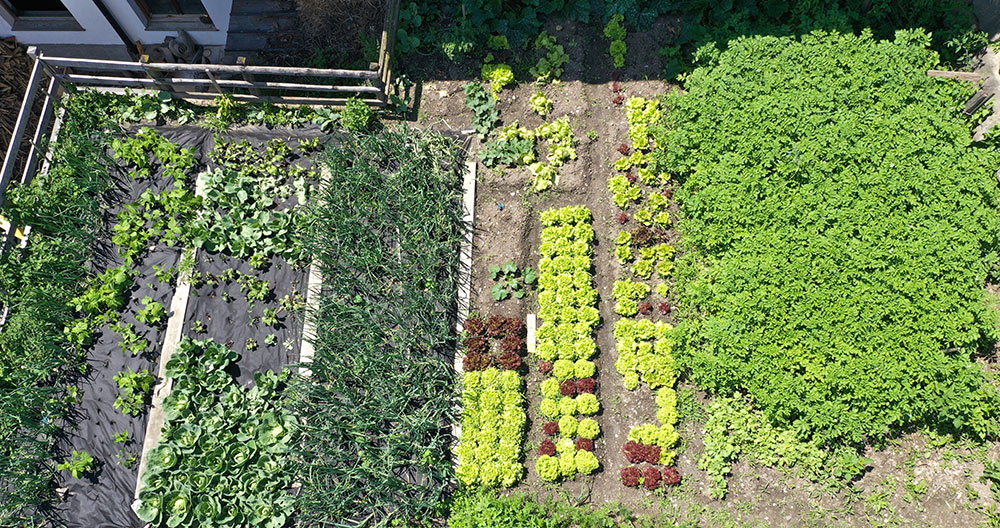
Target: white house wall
x,y
97,30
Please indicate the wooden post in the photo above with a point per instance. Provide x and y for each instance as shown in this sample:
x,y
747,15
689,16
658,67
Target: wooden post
x,y
22,122
248,77
154,74
215,83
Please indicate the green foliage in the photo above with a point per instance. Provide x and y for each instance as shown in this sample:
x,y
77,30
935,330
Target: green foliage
x,y
134,389
476,508
493,422
511,281
241,211
550,66
588,428
131,341
623,248
357,116
734,429
643,117
627,295
497,76
659,256
80,464
615,32
513,146
879,319
559,134
624,193
484,108
644,353
541,104
654,212
460,29
63,207
380,385
152,313
222,459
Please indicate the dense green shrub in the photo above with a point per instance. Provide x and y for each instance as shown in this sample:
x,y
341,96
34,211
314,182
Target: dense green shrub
x,y
839,227
386,225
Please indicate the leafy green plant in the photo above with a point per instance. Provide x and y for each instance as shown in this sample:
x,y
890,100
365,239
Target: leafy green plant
x,y
644,353
623,191
627,296
550,66
514,145
79,464
375,393
734,429
483,104
326,118
134,390
511,281
357,116
497,76
152,312
566,299
615,32
238,439
561,140
122,437
131,341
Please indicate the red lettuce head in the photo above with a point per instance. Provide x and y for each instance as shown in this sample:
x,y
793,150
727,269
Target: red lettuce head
x,y
495,326
651,478
547,448
630,476
671,477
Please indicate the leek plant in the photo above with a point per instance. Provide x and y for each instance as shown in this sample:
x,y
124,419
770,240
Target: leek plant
x,y
377,408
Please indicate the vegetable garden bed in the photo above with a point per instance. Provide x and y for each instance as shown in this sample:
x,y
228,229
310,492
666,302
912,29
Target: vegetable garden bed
x,y
245,294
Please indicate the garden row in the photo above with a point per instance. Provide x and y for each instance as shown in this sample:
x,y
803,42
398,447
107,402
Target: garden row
x,y
644,345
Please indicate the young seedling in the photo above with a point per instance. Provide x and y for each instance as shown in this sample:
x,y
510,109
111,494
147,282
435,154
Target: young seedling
x,y
135,388
153,313
79,464
271,340
122,437
510,280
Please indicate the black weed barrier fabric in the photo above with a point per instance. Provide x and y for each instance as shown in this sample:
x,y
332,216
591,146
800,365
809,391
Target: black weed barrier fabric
x,y
104,499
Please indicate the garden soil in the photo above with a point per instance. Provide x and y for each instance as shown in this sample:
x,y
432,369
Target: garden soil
x,y
103,500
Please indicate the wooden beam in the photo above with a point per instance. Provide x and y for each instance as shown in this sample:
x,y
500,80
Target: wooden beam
x,y
234,83
43,125
93,64
957,75
247,77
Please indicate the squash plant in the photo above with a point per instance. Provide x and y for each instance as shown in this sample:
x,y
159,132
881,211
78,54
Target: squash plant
x,y
222,458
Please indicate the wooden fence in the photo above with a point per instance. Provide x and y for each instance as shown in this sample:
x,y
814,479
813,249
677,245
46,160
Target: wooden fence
x,y
244,82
